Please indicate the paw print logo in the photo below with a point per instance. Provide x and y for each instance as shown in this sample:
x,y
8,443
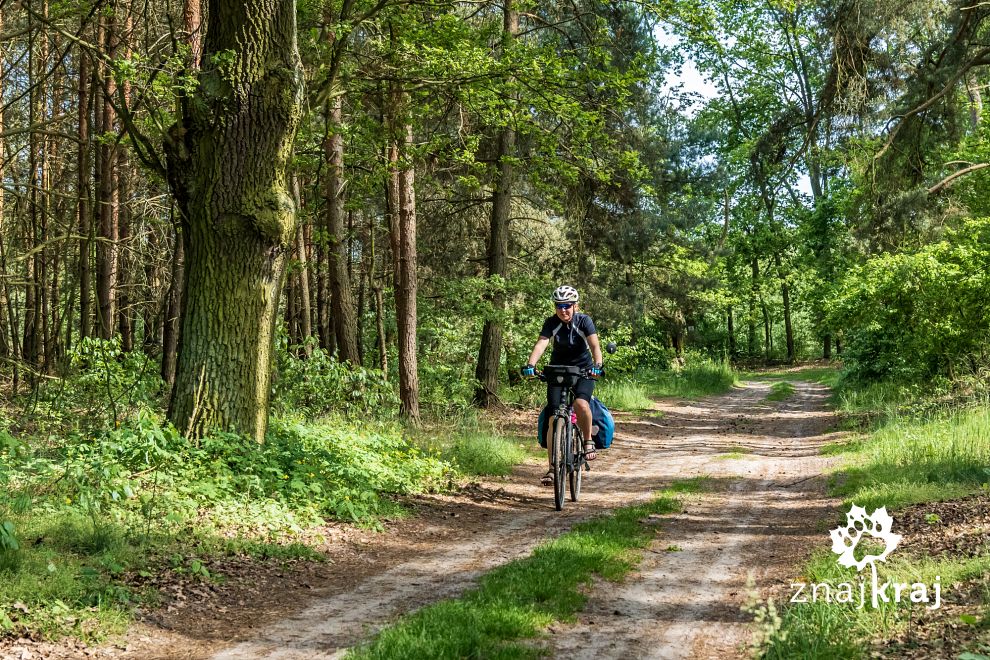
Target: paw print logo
x,y
845,539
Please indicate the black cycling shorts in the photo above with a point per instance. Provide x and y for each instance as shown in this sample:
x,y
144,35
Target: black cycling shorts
x,y
582,390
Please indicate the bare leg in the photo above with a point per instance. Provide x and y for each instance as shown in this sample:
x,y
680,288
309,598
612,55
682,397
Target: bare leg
x,y
583,410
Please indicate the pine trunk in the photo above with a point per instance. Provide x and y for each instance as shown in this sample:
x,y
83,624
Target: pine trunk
x,y
785,293
84,193
402,203
341,294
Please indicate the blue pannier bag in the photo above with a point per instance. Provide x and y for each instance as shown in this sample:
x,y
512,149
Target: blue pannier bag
x,y
600,417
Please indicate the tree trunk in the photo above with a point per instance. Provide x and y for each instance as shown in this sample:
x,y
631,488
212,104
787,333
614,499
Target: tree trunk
x,y
173,309
767,331
341,294
125,277
490,354
380,330
403,238
827,347
125,259
786,296
732,334
751,320
236,134
7,341
84,193
192,18
376,288
305,313
106,248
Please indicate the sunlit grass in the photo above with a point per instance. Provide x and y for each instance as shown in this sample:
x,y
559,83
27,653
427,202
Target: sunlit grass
x,y
699,377
909,461
481,453
628,395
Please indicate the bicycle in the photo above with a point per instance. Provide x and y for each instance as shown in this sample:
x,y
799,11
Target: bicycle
x,y
567,448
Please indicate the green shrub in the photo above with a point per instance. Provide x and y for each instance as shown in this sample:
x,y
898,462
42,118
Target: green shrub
x,y
315,385
913,316
102,386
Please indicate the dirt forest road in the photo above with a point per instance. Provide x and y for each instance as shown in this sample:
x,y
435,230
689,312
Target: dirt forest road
x,y
761,509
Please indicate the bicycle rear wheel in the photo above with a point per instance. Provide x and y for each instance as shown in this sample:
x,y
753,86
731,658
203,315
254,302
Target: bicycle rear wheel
x,y
560,448
577,464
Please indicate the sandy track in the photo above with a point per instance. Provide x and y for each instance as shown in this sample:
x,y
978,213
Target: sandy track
x,y
760,514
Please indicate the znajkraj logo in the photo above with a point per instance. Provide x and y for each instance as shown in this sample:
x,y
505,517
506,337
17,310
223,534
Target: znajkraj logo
x,y
844,543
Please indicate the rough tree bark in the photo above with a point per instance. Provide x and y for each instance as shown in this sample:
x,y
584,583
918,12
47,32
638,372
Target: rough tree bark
x,y
227,160
490,354
107,195
84,209
341,295
402,226
192,17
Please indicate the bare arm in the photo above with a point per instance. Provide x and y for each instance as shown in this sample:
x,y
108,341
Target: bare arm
x,y
596,348
541,345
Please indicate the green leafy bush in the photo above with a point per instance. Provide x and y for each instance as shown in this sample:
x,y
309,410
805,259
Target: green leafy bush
x,y
913,316
101,386
317,384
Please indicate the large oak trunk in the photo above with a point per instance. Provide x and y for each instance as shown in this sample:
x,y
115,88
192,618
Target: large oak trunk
x,y
227,168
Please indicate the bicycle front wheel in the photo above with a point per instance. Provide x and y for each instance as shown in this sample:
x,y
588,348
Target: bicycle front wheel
x,y
577,465
560,448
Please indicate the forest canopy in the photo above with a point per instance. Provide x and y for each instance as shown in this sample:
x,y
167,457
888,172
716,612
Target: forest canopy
x,y
389,191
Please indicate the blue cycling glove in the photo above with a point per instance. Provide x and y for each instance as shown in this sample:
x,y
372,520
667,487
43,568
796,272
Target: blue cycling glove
x,y
529,371
596,371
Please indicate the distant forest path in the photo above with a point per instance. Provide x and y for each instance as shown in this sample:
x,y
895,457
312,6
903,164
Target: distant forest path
x,y
757,513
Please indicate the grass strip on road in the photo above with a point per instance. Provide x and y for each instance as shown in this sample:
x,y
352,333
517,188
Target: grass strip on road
x,y
780,391
514,603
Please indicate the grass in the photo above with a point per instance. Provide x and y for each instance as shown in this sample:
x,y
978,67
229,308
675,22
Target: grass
x,y
780,391
825,375
514,603
481,453
698,378
908,461
836,630
628,395
902,460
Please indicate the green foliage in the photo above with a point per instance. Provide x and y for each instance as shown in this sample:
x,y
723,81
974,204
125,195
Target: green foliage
x,y
80,514
101,386
915,316
516,601
316,384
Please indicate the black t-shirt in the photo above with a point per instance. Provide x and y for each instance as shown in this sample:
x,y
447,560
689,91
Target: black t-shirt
x,y
569,345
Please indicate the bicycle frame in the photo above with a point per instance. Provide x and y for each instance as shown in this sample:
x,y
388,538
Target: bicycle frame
x,y
567,460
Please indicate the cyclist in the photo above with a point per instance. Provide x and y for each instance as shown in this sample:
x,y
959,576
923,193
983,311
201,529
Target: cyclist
x,y
575,343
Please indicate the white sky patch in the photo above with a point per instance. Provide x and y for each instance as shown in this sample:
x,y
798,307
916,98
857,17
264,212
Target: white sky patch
x,y
688,79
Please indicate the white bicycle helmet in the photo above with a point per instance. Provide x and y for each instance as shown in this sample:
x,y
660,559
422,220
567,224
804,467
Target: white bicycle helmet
x,y
565,294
